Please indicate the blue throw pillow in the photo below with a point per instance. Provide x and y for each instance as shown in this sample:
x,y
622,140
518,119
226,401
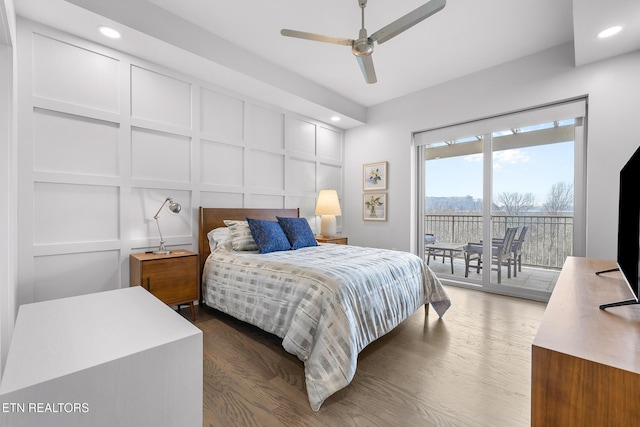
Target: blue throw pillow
x,y
268,236
298,232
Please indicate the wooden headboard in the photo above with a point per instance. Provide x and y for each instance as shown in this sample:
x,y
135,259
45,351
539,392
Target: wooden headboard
x,y
211,218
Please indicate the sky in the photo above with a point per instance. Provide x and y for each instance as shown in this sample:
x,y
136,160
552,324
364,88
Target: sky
x,y
524,170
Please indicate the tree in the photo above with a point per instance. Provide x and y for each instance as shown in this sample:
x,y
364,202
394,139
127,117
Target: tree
x,y
452,205
514,203
559,199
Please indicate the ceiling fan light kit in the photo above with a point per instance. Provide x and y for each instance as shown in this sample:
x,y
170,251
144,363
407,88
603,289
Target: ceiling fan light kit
x,y
362,48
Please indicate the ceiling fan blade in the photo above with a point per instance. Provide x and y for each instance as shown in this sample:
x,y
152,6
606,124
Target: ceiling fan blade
x,y
315,37
408,21
366,65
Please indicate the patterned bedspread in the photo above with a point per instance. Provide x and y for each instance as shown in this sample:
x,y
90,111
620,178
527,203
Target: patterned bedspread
x,y
326,302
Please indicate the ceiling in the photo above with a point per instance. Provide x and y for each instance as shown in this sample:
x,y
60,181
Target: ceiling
x,y
238,45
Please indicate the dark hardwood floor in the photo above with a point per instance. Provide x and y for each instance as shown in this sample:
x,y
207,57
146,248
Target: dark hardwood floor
x,y
470,368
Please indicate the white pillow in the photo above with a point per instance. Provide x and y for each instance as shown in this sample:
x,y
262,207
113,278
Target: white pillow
x,y
241,237
218,236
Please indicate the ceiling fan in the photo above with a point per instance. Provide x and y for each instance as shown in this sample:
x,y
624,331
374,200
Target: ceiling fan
x,y
362,47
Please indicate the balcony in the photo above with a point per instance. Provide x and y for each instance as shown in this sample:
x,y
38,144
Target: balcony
x,y
549,241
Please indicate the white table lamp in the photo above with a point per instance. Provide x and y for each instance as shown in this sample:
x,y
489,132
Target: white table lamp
x,y
328,206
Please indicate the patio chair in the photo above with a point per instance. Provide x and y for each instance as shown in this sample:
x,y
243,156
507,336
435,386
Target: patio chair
x,y
429,238
516,249
501,254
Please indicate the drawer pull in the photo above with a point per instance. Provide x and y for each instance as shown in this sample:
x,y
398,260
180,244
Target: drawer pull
x,y
149,284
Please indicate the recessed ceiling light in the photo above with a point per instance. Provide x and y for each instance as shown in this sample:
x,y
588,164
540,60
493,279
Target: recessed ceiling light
x,y
109,32
611,31
335,119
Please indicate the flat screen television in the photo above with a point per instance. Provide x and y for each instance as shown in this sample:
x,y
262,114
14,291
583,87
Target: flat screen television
x,y
628,257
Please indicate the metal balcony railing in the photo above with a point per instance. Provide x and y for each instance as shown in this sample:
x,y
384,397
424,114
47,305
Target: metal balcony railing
x,y
548,242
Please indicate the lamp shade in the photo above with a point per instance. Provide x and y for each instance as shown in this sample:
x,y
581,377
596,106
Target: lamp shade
x,y
328,203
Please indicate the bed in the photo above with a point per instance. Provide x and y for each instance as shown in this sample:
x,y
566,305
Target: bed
x,y
326,302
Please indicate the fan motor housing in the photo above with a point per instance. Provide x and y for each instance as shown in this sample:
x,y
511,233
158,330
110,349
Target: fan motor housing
x,y
362,47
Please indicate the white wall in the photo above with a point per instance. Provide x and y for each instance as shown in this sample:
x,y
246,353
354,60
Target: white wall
x,y
105,137
613,87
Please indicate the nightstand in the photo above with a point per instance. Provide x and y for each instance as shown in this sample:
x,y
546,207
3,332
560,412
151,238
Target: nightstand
x,y
337,240
172,278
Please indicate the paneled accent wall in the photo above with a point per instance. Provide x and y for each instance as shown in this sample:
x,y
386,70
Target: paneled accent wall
x,y
105,138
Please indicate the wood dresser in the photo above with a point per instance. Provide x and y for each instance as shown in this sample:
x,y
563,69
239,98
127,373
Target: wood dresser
x,y
586,361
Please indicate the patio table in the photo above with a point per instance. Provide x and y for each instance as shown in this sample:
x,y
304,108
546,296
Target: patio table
x,y
444,249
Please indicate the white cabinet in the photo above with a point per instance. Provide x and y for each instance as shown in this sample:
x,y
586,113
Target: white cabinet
x,y
115,358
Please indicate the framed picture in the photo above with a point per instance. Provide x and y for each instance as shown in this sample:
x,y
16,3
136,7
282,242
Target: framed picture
x,y
374,176
374,207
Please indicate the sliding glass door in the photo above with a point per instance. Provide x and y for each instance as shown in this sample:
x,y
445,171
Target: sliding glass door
x,y
502,208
